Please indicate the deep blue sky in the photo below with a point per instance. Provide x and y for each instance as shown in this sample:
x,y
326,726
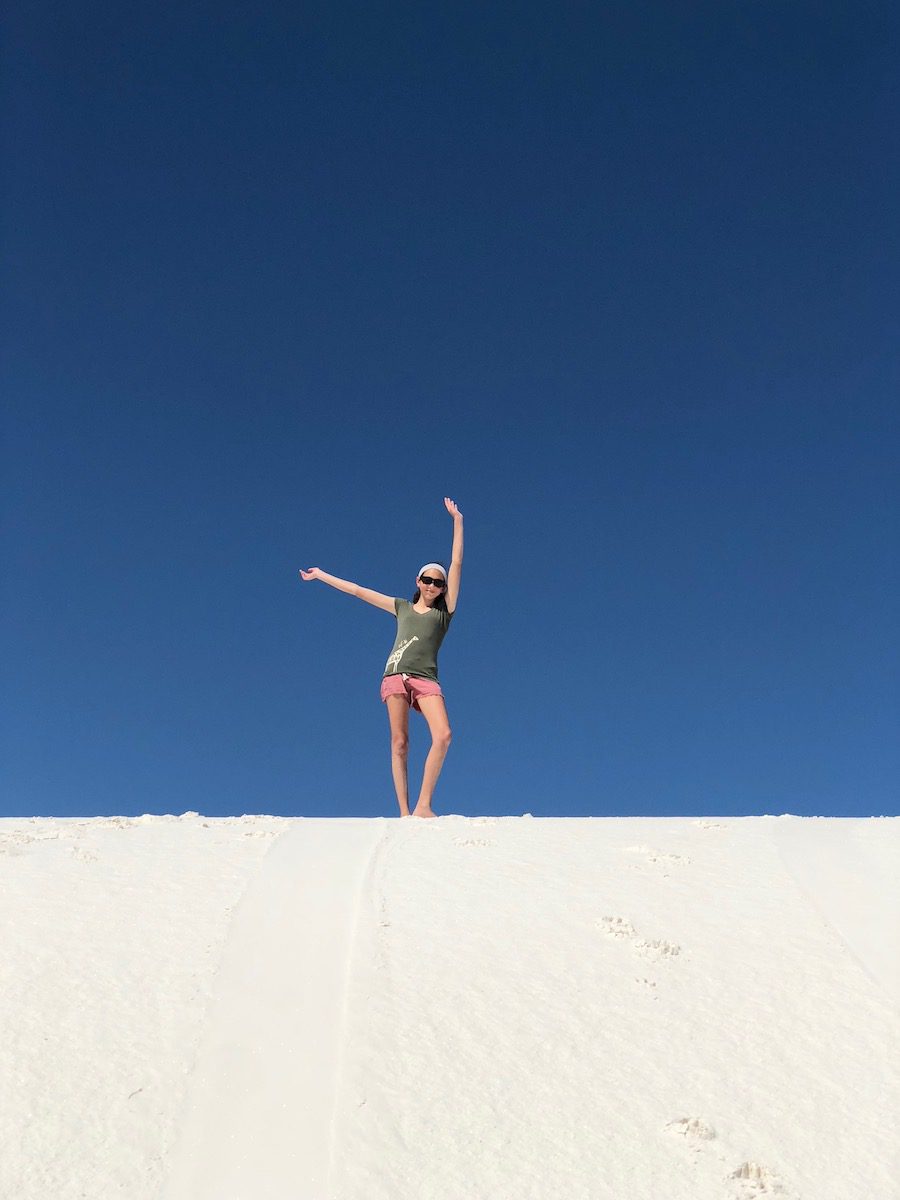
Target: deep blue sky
x,y
619,279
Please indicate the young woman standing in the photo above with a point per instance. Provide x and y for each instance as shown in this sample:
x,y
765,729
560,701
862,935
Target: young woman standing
x,y
410,678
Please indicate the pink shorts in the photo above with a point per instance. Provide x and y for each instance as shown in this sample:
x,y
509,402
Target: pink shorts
x,y
410,687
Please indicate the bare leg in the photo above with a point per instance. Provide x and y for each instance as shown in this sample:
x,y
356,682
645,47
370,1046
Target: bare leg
x,y
398,714
435,713
433,764
401,779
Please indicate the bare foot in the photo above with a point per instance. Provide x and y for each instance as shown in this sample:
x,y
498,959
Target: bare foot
x,y
424,812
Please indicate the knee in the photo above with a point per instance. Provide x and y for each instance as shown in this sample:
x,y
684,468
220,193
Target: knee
x,y
400,745
443,738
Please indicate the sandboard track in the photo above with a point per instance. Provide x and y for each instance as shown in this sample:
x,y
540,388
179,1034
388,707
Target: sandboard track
x,y
257,1122
367,904
860,904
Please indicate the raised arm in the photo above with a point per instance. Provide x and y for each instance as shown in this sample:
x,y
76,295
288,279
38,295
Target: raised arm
x,y
352,589
456,556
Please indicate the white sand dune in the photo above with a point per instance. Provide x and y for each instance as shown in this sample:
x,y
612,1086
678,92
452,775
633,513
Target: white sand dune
x,y
460,1009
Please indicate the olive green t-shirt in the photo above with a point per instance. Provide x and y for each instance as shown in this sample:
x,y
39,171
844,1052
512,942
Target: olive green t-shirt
x,y
419,637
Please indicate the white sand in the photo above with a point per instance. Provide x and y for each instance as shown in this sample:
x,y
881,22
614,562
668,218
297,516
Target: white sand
x,y
461,1009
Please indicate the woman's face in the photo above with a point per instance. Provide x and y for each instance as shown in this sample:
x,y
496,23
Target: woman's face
x,y
429,591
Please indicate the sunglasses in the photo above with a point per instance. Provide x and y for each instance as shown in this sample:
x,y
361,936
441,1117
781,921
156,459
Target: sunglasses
x,y
432,582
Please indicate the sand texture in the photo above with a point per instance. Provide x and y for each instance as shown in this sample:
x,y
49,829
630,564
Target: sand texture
x,y
264,1008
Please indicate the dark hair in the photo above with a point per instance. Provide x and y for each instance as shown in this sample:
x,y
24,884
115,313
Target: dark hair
x,y
441,601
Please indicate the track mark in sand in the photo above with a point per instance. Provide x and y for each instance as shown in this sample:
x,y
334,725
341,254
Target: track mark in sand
x,y
691,1128
659,856
484,820
258,1116
708,825
748,1181
17,841
617,927
472,841
657,949
753,1180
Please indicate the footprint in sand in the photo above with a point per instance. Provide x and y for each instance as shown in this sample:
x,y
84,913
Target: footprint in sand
x,y
17,842
617,927
659,856
748,1181
657,949
752,1179
691,1128
708,825
472,842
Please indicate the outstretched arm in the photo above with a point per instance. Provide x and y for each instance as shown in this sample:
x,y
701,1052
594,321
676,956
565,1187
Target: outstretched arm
x,y
352,589
456,555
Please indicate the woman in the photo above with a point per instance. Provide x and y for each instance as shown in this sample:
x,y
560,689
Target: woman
x,y
410,677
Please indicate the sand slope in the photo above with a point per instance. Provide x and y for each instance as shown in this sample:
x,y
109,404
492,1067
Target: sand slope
x,y
439,1010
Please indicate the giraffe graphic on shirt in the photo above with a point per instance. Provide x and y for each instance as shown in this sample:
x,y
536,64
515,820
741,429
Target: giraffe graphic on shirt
x,y
394,660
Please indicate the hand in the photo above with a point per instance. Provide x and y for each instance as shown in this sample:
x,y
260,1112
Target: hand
x,y
312,573
452,509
